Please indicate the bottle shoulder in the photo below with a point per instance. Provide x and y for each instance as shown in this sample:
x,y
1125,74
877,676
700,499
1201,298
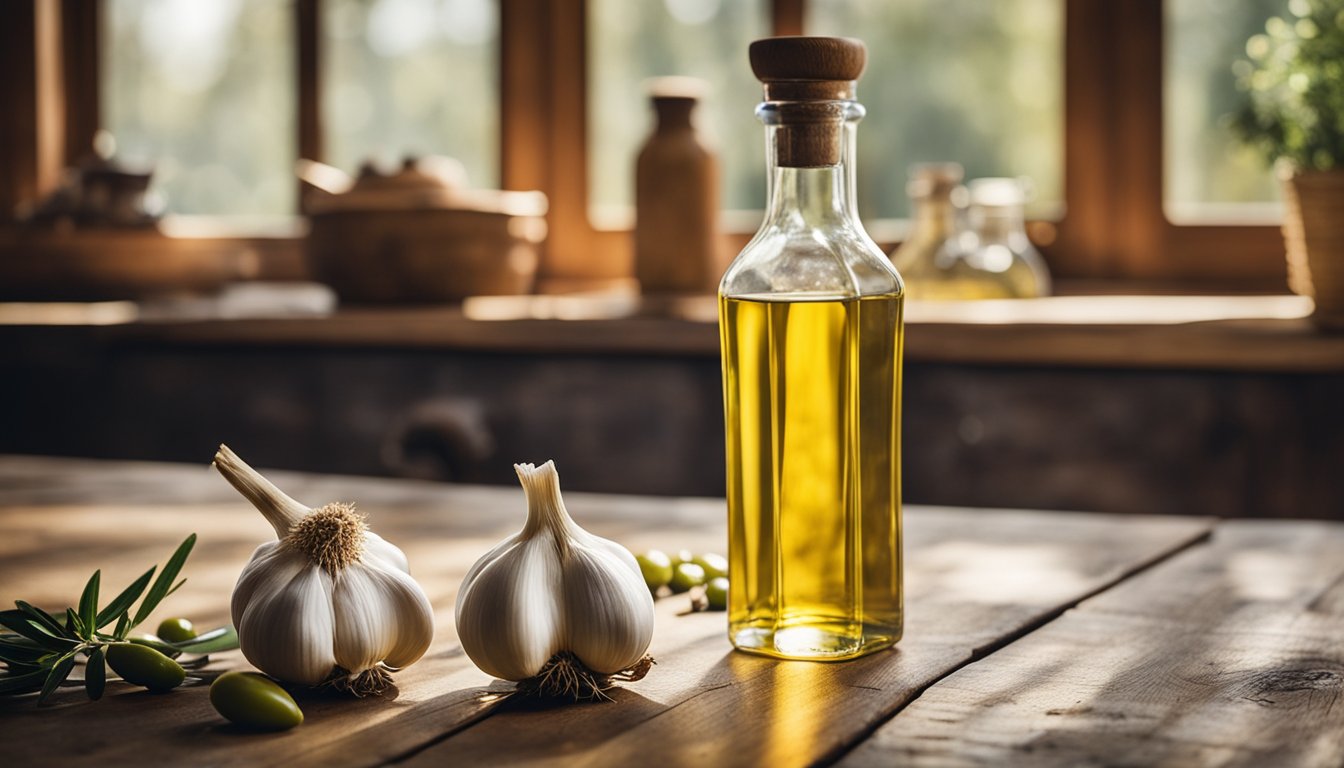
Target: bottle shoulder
x,y
837,261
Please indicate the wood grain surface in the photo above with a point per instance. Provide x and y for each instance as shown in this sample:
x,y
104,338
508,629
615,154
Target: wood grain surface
x,y
1031,637
1227,654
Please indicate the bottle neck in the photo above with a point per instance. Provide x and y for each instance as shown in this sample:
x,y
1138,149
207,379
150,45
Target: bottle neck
x,y
809,197
815,194
673,114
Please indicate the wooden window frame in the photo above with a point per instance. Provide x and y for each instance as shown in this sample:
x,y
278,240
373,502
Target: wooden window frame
x,y
1115,227
1114,235
33,113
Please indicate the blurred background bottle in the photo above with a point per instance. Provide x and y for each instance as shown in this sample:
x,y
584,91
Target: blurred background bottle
x,y
935,220
980,253
677,244
997,253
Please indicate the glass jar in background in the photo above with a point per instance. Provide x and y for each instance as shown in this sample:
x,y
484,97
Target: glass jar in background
x,y
987,253
997,250
935,220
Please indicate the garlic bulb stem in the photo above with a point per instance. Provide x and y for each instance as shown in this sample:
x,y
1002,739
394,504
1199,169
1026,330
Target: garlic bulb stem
x,y
281,511
545,507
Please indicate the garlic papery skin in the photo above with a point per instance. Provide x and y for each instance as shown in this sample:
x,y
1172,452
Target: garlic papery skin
x,y
552,591
329,601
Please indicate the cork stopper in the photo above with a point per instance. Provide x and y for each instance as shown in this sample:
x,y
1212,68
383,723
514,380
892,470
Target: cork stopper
x,y
809,78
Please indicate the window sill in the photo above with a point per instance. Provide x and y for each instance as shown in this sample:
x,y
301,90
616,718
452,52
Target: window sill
x,y
1246,333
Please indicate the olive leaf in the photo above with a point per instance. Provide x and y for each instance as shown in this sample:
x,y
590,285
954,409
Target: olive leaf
x,y
74,622
150,641
163,584
88,606
222,639
123,602
95,674
19,622
43,620
123,626
14,653
25,682
59,671
41,617
176,587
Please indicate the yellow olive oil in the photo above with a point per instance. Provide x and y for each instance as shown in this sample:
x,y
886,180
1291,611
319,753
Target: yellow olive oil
x,y
812,392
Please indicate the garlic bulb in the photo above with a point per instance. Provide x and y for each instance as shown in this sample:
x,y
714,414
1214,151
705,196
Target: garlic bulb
x,y
330,601
553,606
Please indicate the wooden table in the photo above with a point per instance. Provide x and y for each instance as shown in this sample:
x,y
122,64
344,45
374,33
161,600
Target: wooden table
x,y
1032,638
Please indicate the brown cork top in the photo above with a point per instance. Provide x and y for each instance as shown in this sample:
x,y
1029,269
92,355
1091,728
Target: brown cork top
x,y
808,68
811,74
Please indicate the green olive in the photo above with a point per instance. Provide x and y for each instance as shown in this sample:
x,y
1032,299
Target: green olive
x,y
716,566
254,701
682,556
656,567
685,576
716,594
154,642
176,630
142,665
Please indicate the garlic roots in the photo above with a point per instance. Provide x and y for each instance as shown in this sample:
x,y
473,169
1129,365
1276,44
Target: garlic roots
x,y
555,608
329,601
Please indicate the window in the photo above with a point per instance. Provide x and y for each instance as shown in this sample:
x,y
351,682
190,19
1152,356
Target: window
x,y
1113,108
1210,175
204,93
964,80
411,77
967,81
708,39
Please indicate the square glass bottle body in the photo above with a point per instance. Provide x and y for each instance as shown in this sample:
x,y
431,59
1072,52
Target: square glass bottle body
x,y
812,401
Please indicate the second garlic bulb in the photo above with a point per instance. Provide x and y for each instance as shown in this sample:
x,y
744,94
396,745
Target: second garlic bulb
x,y
555,607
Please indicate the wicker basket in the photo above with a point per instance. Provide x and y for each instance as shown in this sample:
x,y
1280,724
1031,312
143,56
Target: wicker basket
x,y
1313,230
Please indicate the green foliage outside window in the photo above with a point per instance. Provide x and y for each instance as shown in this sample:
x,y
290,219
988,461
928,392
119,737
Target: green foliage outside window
x,y
1294,80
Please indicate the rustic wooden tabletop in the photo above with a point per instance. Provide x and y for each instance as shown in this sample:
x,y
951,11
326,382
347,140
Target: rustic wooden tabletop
x,y
1031,638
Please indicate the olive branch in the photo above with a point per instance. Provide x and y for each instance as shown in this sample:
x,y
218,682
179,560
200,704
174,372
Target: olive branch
x,y
40,649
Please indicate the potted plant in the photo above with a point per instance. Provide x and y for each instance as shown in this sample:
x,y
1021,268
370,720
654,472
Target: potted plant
x,y
1294,80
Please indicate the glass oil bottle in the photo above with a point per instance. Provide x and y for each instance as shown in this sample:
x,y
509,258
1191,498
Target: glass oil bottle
x,y
810,319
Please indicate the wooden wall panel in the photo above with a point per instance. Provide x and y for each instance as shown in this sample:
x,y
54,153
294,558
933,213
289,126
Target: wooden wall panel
x,y
1224,443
